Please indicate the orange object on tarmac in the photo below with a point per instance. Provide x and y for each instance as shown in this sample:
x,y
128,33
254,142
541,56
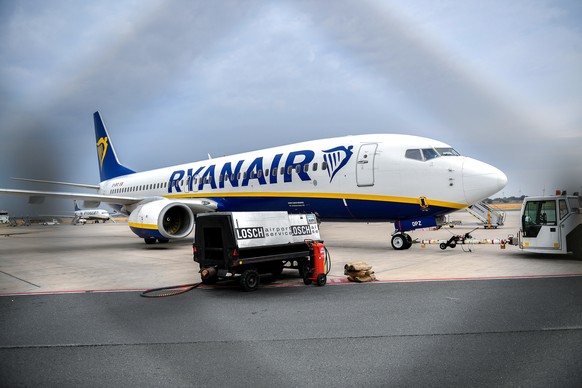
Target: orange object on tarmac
x,y
317,260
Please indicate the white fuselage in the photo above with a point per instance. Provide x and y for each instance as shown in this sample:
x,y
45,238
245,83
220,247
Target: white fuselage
x,y
367,177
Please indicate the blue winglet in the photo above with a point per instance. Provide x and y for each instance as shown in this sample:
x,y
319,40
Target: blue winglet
x,y
109,166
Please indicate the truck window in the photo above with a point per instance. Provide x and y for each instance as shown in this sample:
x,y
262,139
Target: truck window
x,y
538,214
575,204
563,208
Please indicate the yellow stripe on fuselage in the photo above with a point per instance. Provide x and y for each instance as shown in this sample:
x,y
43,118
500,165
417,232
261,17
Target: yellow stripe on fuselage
x,y
358,197
142,226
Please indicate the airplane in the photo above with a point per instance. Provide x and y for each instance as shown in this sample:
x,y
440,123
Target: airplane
x,y
84,215
409,180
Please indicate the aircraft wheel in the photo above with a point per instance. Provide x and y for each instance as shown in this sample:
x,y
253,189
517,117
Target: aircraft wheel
x,y
149,240
163,240
408,241
399,242
249,280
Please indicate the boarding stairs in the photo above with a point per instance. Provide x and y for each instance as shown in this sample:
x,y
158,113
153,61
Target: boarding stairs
x,y
491,216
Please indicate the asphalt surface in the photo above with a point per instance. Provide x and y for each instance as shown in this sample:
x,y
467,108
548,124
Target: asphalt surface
x,y
109,257
517,332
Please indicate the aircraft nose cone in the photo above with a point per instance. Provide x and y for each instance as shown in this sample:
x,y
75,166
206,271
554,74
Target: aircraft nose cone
x,y
481,180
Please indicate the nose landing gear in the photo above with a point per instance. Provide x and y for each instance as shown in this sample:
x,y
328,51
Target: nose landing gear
x,y
401,241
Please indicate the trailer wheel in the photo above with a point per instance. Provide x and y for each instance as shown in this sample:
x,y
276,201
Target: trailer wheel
x,y
303,267
321,279
443,246
249,280
307,278
574,242
276,269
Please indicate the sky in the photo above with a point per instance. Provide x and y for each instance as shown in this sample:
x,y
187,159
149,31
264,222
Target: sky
x,y
177,80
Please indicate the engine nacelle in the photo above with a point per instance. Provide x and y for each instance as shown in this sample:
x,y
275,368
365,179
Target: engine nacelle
x,y
161,220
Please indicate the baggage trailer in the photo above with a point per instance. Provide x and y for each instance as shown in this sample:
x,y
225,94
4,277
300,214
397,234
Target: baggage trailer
x,y
248,244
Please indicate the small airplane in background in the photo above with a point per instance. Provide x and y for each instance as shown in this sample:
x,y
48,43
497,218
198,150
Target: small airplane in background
x,y
84,215
409,180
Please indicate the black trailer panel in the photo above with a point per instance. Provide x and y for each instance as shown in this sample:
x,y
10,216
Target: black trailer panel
x,y
223,250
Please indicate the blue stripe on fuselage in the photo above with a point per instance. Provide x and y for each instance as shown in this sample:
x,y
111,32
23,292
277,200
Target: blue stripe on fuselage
x,y
332,209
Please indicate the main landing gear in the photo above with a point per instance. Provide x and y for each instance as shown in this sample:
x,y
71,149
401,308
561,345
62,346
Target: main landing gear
x,y
401,241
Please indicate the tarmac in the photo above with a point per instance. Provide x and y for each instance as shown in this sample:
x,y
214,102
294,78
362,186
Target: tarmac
x,y
475,315
108,257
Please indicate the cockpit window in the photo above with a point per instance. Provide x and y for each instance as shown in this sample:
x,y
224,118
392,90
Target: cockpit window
x,y
447,152
414,154
429,153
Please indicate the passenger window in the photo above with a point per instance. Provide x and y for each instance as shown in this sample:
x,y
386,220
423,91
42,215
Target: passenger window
x,y
283,171
289,170
413,154
306,168
324,166
298,168
315,166
274,172
267,172
429,153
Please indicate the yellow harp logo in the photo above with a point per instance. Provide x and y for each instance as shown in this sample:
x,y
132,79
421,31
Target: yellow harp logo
x,y
102,150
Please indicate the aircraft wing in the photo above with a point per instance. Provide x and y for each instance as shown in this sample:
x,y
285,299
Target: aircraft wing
x,y
81,196
197,205
86,186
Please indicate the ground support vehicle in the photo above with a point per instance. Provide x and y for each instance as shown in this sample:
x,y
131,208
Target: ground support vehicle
x,y
551,224
248,244
456,239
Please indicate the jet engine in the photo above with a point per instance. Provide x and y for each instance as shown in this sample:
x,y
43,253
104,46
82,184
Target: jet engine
x,y
161,220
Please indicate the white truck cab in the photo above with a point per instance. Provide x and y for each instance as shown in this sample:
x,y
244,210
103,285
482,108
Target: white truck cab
x,y
552,224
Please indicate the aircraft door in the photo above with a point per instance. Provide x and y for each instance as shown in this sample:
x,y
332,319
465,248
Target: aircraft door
x,y
540,225
365,165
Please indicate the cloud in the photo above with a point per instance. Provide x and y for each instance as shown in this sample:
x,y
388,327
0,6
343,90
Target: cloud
x,y
175,80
